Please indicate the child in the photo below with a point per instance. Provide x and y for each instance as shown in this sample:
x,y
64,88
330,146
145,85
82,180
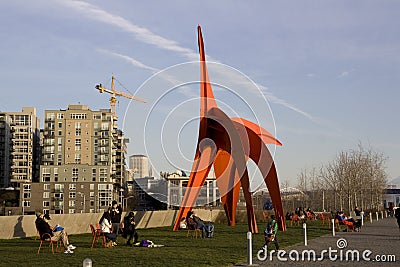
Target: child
x,y
270,233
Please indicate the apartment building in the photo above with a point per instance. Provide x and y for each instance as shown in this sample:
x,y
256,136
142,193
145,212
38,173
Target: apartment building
x,y
19,147
83,163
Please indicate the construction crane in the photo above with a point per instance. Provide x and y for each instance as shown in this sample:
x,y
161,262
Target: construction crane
x,y
114,93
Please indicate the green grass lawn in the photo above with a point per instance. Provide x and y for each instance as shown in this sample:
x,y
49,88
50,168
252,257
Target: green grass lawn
x,y
228,247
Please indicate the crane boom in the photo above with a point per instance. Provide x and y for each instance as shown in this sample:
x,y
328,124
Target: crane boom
x,y
114,93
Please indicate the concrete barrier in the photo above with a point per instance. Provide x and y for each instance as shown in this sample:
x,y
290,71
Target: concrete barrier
x,y
24,226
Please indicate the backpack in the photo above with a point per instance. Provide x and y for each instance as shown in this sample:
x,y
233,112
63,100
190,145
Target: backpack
x,y
146,243
270,228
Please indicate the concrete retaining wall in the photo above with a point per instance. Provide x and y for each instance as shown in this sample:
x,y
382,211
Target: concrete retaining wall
x,y
24,226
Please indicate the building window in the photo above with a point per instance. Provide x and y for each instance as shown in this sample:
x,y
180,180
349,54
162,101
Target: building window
x,y
46,187
78,158
71,203
78,143
59,187
27,203
78,116
91,194
46,203
50,116
60,115
72,194
71,211
27,187
59,196
78,132
103,175
93,176
72,186
104,126
60,125
46,194
91,186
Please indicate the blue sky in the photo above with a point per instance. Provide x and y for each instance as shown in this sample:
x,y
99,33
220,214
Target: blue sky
x,y
329,70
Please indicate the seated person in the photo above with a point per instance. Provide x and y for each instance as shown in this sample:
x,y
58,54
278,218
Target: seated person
x,y
289,215
207,230
357,211
44,227
345,220
130,229
106,227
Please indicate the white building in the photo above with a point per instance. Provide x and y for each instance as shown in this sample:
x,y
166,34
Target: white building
x,y
139,164
176,188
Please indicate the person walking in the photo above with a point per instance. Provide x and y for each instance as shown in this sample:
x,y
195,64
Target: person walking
x,y
270,233
397,215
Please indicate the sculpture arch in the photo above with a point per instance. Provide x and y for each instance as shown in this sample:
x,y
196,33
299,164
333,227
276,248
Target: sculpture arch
x,y
227,144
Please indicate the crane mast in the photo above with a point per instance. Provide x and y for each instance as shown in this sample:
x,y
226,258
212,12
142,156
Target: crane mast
x,y
114,93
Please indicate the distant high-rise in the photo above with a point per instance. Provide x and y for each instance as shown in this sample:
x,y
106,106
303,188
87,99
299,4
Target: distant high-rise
x,y
19,147
139,164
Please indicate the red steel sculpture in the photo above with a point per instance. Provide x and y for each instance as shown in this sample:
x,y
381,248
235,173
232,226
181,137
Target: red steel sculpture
x,y
227,144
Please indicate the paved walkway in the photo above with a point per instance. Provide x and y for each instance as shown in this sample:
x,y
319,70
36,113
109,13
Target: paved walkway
x,y
381,237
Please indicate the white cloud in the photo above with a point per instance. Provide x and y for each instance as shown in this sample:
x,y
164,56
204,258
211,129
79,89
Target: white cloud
x,y
146,36
345,73
128,59
142,34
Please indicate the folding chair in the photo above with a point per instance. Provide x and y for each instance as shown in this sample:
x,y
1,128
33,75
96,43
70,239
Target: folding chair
x,y
46,237
96,235
194,232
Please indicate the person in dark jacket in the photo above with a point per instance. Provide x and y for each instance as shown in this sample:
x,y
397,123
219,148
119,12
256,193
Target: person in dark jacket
x,y
44,227
130,229
116,211
397,215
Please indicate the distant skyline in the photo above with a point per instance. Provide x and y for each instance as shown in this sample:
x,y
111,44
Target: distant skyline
x,y
328,70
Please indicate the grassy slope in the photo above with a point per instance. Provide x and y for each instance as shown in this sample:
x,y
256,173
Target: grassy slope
x,y
228,247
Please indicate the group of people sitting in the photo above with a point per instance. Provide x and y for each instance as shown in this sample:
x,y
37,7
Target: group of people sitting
x,y
55,233
193,222
110,225
300,214
350,222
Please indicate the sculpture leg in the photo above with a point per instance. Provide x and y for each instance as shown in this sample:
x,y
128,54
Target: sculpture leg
x,y
200,170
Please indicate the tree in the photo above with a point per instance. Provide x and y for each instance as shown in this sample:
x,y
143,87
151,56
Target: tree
x,y
354,178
